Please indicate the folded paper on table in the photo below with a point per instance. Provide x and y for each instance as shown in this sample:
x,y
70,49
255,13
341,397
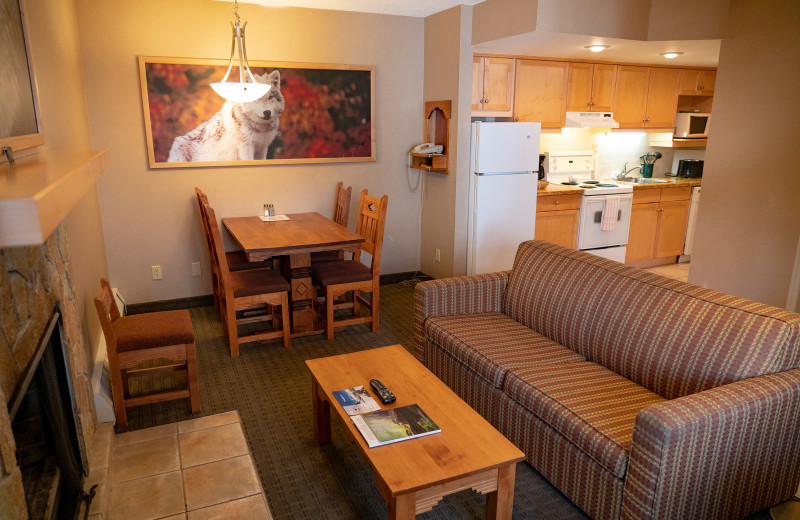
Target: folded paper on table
x,y
274,218
356,400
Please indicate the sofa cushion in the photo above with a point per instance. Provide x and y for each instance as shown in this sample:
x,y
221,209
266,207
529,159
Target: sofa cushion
x,y
491,343
591,406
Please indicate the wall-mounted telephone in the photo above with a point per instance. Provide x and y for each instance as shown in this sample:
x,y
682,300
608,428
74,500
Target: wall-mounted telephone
x,y
428,148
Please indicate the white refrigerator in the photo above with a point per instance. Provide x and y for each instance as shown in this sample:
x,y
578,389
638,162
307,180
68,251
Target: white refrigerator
x,y
504,161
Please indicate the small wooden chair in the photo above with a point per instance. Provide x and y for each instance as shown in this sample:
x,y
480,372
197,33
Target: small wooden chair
x,y
137,338
341,212
339,277
252,290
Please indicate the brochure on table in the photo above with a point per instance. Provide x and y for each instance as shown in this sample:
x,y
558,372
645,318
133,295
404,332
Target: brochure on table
x,y
356,400
394,425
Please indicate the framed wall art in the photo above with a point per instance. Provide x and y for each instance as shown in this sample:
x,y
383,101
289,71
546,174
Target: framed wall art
x,y
314,113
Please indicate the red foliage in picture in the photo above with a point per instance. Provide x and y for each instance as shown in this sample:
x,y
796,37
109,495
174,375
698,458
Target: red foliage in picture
x,y
310,114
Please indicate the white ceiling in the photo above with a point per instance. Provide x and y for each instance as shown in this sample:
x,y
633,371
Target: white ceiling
x,y
698,53
418,8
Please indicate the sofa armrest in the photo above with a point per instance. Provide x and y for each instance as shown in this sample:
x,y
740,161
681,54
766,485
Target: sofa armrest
x,y
458,295
725,452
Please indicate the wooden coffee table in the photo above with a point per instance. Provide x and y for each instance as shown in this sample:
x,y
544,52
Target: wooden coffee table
x,y
414,475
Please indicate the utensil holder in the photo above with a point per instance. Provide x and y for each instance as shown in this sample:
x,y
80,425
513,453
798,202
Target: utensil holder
x,y
647,170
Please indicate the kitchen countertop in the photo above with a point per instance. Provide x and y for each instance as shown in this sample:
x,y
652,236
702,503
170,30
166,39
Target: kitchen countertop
x,y
672,182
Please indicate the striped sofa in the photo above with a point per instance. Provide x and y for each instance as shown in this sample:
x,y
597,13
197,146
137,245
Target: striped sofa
x,y
636,395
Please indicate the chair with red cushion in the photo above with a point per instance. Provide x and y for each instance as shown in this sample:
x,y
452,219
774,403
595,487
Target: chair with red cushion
x,y
255,294
339,277
134,339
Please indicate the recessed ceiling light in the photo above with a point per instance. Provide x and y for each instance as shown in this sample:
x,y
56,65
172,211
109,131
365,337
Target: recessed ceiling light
x,y
597,48
670,55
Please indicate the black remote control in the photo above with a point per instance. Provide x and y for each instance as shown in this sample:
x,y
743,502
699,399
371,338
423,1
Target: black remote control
x,y
384,393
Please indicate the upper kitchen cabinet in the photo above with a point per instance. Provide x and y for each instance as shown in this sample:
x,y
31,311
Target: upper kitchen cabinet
x,y
646,97
492,86
591,87
541,92
697,82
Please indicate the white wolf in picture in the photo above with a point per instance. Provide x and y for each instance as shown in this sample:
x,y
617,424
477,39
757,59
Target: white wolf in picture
x,y
238,132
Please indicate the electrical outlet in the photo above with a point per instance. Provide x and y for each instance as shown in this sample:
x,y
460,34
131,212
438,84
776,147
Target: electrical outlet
x,y
195,268
437,255
156,272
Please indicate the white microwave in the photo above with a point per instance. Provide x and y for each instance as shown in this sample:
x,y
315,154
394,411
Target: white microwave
x,y
692,125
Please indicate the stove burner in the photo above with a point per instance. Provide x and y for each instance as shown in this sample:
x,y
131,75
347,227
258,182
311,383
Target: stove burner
x,y
587,186
605,185
592,182
570,183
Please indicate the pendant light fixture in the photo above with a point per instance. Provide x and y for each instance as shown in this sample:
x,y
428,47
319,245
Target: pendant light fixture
x,y
243,91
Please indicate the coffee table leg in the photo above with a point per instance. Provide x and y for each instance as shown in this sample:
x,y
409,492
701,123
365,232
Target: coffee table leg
x,y
403,507
322,415
499,503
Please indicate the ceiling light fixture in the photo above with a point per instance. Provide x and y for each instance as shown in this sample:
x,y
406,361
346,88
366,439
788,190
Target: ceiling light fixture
x,y
670,55
597,48
243,91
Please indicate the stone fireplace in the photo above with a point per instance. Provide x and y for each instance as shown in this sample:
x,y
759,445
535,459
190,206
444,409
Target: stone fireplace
x,y
33,281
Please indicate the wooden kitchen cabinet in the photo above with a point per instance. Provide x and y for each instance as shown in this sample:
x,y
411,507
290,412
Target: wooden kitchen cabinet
x,y
540,92
646,97
658,223
492,86
591,87
558,218
697,82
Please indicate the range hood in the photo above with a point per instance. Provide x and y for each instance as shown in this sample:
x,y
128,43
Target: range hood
x,y
591,120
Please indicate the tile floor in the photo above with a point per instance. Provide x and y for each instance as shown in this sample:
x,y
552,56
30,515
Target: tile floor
x,y
199,469
677,271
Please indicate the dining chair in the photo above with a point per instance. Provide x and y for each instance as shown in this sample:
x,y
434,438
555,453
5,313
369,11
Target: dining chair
x,y
341,212
134,339
255,294
342,276
237,260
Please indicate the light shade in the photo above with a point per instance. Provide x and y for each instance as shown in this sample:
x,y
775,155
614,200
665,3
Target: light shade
x,y
670,55
597,48
243,91
240,92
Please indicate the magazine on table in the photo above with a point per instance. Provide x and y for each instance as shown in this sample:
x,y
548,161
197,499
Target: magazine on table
x,y
356,400
394,425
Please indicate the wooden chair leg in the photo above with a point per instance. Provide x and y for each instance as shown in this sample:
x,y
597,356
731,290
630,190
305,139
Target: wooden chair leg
x,y
356,304
329,311
233,332
118,395
191,374
373,308
287,329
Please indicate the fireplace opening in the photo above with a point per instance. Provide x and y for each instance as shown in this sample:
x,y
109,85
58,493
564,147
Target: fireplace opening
x,y
50,450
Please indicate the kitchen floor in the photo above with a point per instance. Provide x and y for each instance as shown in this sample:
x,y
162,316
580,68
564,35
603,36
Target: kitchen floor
x,y
677,271
195,469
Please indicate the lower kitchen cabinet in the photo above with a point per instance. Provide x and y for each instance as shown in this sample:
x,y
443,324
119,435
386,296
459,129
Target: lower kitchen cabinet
x,y
557,219
658,223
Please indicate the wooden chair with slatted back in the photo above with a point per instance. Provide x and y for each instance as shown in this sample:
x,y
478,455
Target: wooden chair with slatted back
x,y
342,276
341,212
237,260
254,293
134,339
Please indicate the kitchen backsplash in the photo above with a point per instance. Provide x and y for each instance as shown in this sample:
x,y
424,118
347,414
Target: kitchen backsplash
x,y
615,149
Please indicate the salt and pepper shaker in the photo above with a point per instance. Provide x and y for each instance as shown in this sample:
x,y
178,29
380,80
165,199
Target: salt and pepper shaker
x,y
269,210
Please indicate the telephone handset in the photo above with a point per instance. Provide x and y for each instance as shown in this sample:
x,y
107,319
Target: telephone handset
x,y
427,148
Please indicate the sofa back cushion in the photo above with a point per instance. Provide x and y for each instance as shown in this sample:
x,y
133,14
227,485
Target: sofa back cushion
x,y
671,337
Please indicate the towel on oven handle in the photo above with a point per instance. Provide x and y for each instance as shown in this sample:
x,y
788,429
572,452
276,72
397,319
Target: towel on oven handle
x,y
608,221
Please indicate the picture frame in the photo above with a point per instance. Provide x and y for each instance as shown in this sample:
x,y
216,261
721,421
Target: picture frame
x,y
21,125
313,113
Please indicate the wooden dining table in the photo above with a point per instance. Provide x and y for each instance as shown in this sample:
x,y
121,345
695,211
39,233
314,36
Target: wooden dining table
x,y
292,241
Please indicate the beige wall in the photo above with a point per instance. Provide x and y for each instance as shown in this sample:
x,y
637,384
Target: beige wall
x,y
150,216
53,31
749,217
448,75
687,19
495,19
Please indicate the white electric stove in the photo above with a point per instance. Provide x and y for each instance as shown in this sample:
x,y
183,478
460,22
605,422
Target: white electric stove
x,y
577,169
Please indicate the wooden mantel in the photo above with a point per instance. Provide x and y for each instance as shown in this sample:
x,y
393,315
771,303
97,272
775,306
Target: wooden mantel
x,y
40,190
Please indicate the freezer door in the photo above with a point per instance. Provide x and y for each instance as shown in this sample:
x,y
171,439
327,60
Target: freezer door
x,y
501,148
503,215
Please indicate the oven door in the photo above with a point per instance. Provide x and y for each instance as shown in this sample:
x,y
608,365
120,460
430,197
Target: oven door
x,y
589,235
